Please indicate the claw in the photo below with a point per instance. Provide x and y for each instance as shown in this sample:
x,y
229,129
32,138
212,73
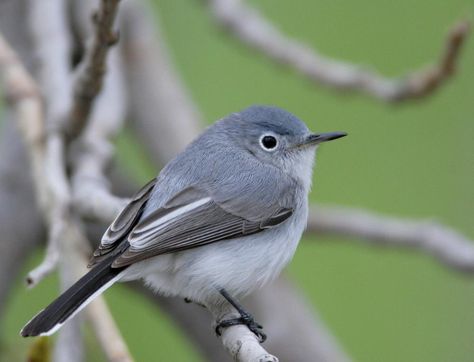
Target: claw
x,y
246,320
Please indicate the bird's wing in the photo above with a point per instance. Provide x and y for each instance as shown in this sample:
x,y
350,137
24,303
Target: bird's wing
x,y
188,220
123,223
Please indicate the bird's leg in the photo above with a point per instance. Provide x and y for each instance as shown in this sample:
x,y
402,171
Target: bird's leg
x,y
245,318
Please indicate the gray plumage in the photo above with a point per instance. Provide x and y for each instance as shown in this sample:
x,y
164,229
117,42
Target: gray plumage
x,y
227,213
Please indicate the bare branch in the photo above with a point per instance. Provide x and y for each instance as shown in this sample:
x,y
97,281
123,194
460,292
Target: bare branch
x,y
92,68
238,340
448,246
49,263
247,25
94,150
425,82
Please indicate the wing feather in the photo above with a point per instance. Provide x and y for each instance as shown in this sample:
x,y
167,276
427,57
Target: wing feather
x,y
123,223
196,223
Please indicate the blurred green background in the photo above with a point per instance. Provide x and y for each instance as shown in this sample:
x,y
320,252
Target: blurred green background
x,y
415,160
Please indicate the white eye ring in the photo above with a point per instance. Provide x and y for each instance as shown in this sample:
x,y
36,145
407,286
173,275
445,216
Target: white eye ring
x,y
269,142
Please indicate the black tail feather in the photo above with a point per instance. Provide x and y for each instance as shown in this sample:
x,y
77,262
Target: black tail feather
x,y
72,300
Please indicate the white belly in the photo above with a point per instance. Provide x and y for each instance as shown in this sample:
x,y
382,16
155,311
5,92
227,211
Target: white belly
x,y
238,265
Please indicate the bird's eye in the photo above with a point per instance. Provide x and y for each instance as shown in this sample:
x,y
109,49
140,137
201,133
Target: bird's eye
x,y
268,142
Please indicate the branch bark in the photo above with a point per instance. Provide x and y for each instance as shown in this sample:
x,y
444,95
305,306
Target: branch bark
x,y
251,28
446,245
238,340
94,149
92,69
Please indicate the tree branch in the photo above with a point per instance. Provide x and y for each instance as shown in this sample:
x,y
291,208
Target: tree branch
x,y
93,149
251,28
238,340
448,246
93,67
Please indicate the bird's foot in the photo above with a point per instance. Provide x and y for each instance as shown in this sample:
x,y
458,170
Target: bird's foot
x,y
247,320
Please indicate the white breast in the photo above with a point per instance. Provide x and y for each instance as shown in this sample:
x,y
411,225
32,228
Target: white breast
x,y
238,265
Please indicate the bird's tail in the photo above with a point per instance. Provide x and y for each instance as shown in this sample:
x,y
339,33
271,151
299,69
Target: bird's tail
x,y
73,300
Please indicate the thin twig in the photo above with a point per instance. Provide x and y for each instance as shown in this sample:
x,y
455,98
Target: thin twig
x,y
425,82
250,27
93,67
448,246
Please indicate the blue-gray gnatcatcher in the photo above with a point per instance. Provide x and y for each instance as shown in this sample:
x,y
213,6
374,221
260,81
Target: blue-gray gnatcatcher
x,y
220,220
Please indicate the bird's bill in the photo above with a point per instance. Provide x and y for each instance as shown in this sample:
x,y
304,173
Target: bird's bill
x,y
314,139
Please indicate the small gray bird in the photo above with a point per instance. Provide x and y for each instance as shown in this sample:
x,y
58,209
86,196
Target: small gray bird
x,y
221,219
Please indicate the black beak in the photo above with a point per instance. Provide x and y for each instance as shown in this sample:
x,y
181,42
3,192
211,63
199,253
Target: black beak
x,y
314,139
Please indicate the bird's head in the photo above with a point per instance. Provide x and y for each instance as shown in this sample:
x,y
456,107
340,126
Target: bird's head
x,y
277,137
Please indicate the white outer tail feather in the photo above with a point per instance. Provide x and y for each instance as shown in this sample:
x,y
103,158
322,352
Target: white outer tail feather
x,y
81,307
